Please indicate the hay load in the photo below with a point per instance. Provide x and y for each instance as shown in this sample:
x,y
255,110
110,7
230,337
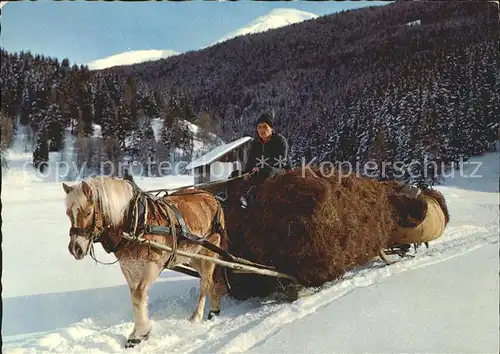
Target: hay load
x,y
312,226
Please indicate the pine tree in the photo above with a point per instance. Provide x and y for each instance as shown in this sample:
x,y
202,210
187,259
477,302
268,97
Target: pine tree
x,y
130,104
25,110
185,142
41,153
382,155
38,110
86,109
147,147
100,99
149,105
54,123
108,116
167,145
7,133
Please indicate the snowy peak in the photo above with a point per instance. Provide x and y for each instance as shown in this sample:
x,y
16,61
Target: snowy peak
x,y
274,19
131,57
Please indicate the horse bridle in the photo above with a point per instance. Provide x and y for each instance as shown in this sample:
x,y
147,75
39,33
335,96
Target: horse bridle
x,y
93,235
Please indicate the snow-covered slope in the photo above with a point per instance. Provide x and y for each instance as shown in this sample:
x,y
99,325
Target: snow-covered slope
x,y
200,145
131,57
60,164
274,19
445,299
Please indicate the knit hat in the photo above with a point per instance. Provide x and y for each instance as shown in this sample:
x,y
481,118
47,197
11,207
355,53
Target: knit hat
x,y
266,118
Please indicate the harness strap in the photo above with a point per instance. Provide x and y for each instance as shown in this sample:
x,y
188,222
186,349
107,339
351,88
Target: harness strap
x,y
173,256
217,227
138,225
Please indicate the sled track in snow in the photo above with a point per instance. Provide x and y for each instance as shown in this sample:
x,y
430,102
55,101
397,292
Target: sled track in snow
x,y
363,277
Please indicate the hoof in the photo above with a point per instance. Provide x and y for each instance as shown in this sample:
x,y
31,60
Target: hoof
x,y
292,292
132,342
195,319
213,313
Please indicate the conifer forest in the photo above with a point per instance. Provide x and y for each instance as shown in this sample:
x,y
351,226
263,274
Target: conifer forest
x,y
409,81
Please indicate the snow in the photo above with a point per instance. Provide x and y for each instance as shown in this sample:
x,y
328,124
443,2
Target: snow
x,y
199,146
445,299
394,326
131,57
413,23
274,19
156,125
97,131
216,153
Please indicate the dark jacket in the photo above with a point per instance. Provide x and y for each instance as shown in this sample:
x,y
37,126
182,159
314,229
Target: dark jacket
x,y
274,153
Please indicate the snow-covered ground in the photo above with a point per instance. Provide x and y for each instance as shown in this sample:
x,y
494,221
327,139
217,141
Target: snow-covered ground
x,y
443,300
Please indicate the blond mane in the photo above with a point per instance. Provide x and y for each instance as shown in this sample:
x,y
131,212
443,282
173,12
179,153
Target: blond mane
x,y
112,194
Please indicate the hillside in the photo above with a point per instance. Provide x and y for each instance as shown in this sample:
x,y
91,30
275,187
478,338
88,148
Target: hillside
x,y
352,85
50,98
411,87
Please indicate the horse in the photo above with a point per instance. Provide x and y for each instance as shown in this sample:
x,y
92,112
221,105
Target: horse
x,y
101,209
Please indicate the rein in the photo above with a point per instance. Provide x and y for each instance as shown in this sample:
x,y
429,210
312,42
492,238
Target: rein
x,y
96,236
92,255
199,185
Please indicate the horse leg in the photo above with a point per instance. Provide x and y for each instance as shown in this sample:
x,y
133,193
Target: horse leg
x,y
207,286
197,314
217,284
214,305
140,277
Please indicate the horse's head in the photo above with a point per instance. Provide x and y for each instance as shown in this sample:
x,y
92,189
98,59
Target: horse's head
x,y
92,207
86,223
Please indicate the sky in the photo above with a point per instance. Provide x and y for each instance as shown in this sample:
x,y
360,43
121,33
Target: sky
x,y
84,31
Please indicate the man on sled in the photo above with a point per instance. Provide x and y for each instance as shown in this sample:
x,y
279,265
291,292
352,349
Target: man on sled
x,y
268,157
